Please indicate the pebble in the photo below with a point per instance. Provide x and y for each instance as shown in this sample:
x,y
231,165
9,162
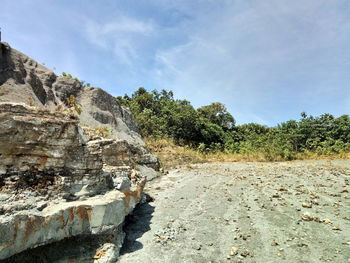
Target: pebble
x,y
327,221
303,245
234,251
306,205
197,246
307,217
245,253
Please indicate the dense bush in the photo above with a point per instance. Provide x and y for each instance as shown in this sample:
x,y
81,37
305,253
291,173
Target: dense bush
x,y
212,128
159,115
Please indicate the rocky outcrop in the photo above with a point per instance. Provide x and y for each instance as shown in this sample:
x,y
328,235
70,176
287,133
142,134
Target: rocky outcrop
x,y
23,80
64,177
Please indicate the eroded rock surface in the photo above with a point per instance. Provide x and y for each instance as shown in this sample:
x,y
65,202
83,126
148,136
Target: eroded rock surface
x,y
61,181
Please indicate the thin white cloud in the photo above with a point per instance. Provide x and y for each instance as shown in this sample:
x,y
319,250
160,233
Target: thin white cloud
x,y
121,36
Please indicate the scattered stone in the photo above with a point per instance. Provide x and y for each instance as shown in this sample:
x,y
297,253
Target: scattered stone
x,y
317,219
303,244
336,228
170,232
315,202
326,221
196,246
306,205
245,253
274,244
234,251
307,217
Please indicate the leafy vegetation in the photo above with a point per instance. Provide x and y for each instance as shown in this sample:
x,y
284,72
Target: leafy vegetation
x,y
82,82
73,104
103,132
212,129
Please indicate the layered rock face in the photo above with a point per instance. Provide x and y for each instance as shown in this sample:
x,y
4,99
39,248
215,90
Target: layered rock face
x,y
64,178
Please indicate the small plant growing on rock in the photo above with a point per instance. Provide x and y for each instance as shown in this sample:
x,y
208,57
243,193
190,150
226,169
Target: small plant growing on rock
x,y
64,74
72,103
102,132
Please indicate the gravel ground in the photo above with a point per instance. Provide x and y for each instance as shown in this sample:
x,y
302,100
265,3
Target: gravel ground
x,y
244,212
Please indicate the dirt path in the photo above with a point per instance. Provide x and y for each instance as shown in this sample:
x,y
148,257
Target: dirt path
x,y
245,212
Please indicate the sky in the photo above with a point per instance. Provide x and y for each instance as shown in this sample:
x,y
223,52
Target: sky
x,y
266,60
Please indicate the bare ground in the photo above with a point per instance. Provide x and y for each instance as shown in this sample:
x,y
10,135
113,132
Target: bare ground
x,y
244,212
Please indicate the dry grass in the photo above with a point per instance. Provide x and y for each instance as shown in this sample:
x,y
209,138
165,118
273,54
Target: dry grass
x,y
171,155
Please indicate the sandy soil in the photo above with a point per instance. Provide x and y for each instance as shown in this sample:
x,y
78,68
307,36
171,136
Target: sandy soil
x,y
244,212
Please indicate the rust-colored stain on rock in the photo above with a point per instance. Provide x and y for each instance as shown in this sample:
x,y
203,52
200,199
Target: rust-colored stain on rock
x,y
136,194
16,227
60,218
99,254
84,212
42,162
71,214
33,223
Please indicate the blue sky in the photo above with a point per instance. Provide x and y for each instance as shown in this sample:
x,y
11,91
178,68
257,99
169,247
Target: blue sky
x,y
266,60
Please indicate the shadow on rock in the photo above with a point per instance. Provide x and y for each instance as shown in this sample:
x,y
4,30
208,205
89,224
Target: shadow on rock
x,y
135,226
76,249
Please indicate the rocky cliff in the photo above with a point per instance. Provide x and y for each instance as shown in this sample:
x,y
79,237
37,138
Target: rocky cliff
x,y
67,181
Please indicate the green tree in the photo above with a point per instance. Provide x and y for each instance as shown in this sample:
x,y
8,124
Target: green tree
x,y
218,114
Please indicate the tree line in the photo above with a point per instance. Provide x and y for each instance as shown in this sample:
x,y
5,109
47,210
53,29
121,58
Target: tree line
x,y
213,128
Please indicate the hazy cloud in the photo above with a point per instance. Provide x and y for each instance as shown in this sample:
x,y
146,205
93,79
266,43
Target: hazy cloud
x,y
121,36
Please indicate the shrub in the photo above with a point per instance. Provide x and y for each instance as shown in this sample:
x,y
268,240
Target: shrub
x,y
102,132
73,104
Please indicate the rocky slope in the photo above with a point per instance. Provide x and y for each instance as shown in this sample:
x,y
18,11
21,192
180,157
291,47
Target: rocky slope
x,y
64,178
